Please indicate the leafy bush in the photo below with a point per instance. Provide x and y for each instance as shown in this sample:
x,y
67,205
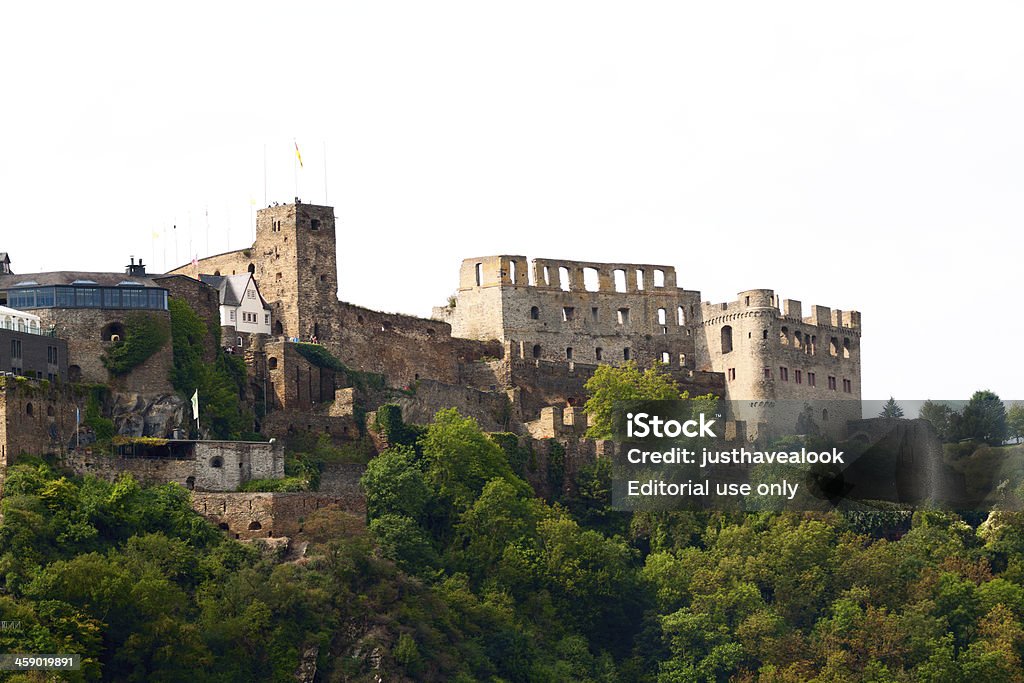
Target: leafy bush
x,y
144,335
285,485
220,385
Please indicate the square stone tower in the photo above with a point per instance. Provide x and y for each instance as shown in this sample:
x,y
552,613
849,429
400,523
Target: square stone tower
x,y
295,262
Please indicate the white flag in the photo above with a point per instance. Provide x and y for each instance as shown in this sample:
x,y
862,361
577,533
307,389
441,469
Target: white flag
x,y
195,405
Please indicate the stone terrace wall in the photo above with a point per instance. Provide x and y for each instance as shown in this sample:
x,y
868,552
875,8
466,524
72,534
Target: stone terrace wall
x,y
268,515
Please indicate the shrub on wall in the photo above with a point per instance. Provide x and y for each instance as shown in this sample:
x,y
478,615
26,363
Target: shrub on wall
x,y
144,335
220,384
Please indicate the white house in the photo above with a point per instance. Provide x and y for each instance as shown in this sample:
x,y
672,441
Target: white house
x,y
243,311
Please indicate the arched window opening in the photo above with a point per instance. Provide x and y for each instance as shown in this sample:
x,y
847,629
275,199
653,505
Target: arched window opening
x,y
112,330
255,526
833,347
846,347
680,316
216,462
534,313
536,350
272,363
727,339
784,336
662,317
625,354
619,275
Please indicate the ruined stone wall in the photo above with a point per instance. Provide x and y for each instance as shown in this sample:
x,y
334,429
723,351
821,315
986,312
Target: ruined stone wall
x,y
543,383
402,348
268,515
492,410
779,355
83,328
212,466
571,310
148,471
36,418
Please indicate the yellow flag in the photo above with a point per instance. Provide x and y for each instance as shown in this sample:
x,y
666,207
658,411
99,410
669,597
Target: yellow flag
x,y
297,154
156,235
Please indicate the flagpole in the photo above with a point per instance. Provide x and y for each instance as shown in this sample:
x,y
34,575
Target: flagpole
x,y
325,173
295,169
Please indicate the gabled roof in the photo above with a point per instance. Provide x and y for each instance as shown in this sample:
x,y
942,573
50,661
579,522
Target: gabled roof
x,y
232,288
4,258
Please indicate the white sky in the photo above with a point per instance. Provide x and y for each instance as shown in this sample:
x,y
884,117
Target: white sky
x,y
865,156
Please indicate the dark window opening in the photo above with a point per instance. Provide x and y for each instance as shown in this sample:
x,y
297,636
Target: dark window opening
x,y
536,350
314,224
534,313
112,330
727,339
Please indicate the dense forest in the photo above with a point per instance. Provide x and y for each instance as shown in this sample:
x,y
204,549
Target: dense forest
x,y
459,573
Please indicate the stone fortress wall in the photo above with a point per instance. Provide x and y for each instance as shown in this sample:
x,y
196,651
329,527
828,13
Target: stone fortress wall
x,y
768,353
558,310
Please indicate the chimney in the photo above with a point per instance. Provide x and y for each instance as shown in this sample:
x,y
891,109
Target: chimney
x,y
132,268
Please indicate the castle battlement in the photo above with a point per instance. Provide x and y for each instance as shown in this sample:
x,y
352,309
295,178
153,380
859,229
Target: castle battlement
x,y
565,275
755,302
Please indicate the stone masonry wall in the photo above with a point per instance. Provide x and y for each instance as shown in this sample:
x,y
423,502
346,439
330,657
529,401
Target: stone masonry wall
x,y
83,327
570,310
268,515
773,355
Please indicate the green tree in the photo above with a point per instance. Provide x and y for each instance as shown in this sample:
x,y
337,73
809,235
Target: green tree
x,y
983,419
941,417
610,385
891,409
220,384
394,483
1015,421
460,459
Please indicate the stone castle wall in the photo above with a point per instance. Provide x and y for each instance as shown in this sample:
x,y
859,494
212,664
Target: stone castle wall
x,y
211,466
83,330
269,515
768,354
581,311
